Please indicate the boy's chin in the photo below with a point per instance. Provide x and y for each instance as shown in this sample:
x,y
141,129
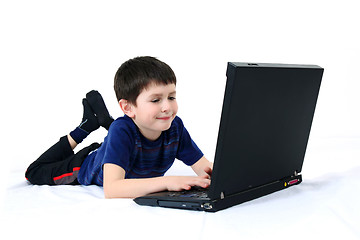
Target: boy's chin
x,y
165,125
165,128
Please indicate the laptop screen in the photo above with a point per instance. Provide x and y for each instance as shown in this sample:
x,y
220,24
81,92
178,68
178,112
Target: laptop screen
x,y
265,124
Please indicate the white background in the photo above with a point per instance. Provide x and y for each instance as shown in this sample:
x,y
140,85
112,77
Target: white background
x,y
53,52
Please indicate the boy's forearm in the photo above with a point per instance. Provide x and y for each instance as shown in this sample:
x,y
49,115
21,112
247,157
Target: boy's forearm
x,y
132,188
202,167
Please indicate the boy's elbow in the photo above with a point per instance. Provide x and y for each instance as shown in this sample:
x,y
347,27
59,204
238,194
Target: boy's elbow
x,y
107,194
109,191
110,195
113,191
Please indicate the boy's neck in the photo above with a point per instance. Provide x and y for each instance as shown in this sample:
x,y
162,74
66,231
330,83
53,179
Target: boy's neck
x,y
149,134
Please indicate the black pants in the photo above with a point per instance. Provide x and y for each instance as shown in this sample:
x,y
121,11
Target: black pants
x,y
58,165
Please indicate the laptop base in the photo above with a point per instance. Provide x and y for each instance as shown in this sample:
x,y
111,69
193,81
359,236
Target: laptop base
x,y
161,199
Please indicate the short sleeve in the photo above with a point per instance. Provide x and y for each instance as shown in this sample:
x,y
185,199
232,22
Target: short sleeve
x,y
119,146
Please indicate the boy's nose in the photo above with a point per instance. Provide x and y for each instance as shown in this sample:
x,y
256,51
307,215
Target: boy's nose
x,y
165,106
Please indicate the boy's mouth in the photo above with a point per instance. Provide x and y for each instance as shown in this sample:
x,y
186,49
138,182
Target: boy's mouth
x,y
164,118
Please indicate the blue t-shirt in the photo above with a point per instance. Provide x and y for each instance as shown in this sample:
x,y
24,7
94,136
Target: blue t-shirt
x,y
126,147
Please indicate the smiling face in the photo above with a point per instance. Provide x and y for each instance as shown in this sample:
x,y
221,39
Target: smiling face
x,y
155,109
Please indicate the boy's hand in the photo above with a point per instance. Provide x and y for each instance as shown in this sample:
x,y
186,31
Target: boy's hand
x,y
203,167
208,171
179,183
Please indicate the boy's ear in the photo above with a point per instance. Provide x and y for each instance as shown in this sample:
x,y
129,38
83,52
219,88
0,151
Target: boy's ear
x,y
127,108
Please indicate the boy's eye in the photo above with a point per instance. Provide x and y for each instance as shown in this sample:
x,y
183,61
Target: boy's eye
x,y
172,98
155,100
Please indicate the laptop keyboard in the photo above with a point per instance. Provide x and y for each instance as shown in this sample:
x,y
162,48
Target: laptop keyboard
x,y
195,192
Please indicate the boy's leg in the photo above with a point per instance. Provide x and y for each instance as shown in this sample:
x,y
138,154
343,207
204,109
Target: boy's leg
x,y
38,172
66,172
58,165
59,162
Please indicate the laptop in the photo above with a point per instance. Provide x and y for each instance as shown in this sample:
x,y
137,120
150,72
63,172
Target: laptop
x,y
264,130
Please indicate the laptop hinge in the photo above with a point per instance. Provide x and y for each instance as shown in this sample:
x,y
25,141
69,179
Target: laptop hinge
x,y
253,193
286,182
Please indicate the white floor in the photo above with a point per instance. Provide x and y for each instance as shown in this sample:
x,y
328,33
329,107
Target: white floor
x,y
325,205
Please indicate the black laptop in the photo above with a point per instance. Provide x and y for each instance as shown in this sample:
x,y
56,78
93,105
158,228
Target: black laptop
x,y
264,129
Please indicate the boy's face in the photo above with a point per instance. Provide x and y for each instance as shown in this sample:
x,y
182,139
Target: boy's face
x,y
155,109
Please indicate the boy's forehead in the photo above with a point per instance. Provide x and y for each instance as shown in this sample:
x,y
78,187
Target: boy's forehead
x,y
154,88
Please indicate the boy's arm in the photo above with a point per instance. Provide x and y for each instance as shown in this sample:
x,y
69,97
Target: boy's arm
x,y
203,167
116,186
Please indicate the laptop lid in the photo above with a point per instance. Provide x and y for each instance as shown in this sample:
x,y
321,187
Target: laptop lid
x,y
265,125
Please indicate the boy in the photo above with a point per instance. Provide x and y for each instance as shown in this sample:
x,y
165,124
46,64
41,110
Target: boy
x,y
139,148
